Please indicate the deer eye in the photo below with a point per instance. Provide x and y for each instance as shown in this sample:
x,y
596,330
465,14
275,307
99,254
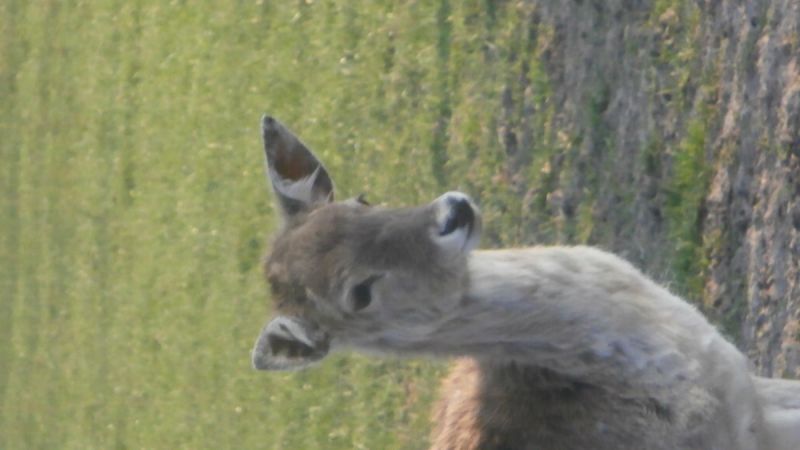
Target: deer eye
x,y
362,293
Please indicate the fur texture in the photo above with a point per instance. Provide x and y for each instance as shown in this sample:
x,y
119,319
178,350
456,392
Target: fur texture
x,y
574,348
558,347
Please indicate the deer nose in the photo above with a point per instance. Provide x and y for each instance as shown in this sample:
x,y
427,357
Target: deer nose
x,y
457,221
459,213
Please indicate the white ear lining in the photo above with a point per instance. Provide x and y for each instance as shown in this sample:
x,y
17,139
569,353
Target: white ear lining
x,y
301,190
288,329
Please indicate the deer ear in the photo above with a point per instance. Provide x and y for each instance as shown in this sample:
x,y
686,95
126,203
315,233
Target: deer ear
x,y
298,178
287,343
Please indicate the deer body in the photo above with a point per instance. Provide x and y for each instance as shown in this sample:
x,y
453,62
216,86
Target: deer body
x,y
574,348
557,347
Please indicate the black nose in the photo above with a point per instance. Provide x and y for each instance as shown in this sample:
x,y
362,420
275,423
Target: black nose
x,y
460,215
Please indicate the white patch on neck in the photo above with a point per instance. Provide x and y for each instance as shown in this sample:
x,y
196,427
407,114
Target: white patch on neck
x,y
300,190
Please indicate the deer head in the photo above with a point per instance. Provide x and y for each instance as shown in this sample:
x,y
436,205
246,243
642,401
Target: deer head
x,y
347,274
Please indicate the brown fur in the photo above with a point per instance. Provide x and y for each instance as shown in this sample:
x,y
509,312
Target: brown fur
x,y
561,348
497,407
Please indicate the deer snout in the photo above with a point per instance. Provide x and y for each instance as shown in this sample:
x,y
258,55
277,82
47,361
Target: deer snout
x,y
458,222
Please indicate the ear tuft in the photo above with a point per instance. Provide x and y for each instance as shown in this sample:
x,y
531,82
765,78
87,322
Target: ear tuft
x,y
297,176
288,343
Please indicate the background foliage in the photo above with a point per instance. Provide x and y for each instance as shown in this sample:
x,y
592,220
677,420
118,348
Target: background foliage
x,y
135,212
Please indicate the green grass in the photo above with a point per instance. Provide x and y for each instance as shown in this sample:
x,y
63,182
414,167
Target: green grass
x,y
135,211
684,208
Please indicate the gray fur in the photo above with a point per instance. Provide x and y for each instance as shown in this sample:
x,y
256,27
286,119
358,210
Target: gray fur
x,y
561,347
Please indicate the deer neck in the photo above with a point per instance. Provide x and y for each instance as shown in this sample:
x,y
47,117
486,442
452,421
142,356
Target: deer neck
x,y
552,309
507,314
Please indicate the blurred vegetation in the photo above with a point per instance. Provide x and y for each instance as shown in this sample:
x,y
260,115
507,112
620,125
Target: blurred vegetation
x,y
135,212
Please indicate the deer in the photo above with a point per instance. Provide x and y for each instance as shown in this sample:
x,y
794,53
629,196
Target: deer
x,y
554,347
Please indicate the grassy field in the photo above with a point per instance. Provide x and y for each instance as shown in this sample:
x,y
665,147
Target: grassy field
x,y
135,212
